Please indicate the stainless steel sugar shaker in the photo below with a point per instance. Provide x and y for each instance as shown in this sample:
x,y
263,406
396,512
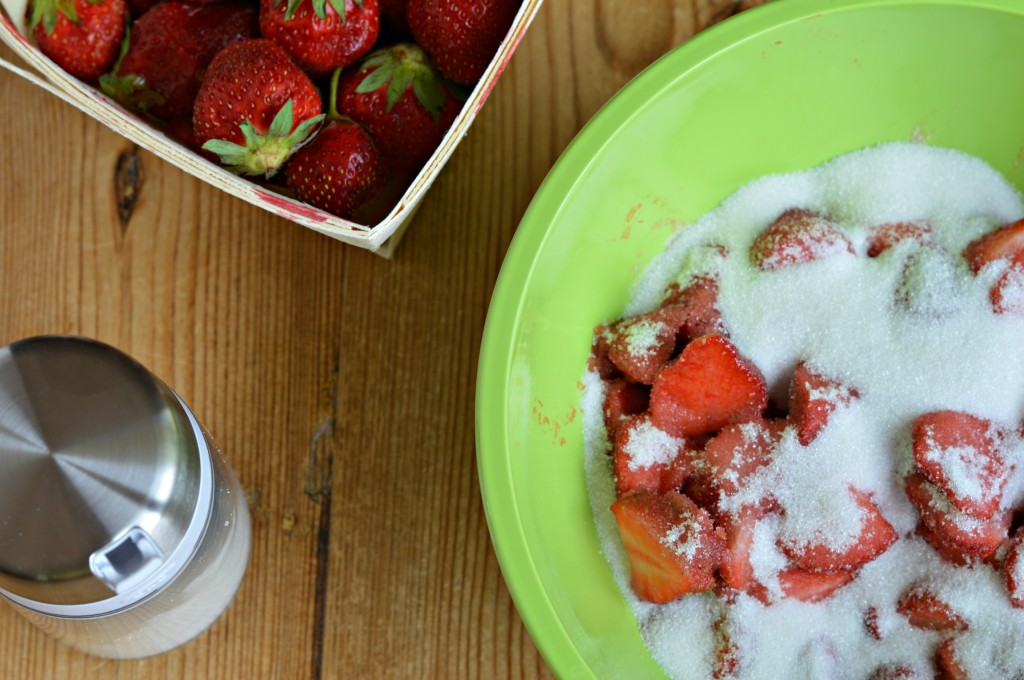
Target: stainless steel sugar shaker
x,y
123,532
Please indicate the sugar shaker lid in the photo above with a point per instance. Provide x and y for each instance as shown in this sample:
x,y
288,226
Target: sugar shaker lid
x,y
104,477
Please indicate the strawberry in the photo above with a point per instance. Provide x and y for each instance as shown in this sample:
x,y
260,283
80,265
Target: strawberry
x,y
871,623
698,307
700,486
1007,294
924,609
621,400
727,654
255,107
83,37
967,534
810,586
885,236
461,35
948,551
398,95
949,665
1005,243
339,171
875,537
737,451
737,571
892,672
960,453
813,396
645,456
321,35
598,362
797,236
708,387
640,346
168,51
1013,570
672,547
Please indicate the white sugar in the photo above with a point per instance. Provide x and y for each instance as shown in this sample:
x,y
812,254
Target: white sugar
x,y
912,331
642,336
647,446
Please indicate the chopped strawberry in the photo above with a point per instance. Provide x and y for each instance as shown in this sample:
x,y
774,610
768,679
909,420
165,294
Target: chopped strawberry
x,y
960,453
949,665
672,547
701,486
1007,294
970,535
736,571
875,537
924,609
1013,570
810,586
871,623
698,303
795,237
737,451
708,387
892,672
621,400
947,550
598,362
813,396
1005,243
641,345
885,236
727,657
645,456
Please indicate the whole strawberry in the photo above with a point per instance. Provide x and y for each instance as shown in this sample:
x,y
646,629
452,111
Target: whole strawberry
x,y
255,107
339,171
81,36
168,51
398,95
321,35
461,35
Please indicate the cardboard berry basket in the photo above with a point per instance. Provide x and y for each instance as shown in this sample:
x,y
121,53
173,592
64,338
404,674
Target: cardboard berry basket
x,y
380,238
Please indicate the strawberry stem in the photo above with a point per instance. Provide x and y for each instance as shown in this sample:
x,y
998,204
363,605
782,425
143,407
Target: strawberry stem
x,y
332,106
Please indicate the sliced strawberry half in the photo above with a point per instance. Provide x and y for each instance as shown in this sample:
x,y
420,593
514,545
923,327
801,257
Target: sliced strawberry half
x,y
697,306
795,237
949,664
672,546
739,450
947,550
708,387
1013,570
969,535
645,456
875,537
598,361
641,345
813,396
885,236
960,453
1005,243
622,399
811,586
924,609
736,571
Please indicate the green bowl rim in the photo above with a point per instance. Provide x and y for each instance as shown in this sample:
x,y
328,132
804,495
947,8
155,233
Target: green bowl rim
x,y
500,330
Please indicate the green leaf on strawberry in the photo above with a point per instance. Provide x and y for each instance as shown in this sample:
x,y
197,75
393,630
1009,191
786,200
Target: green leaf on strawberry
x,y
131,90
263,154
47,11
396,68
319,8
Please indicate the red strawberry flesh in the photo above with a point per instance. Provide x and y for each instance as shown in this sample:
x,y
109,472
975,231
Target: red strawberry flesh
x,y
796,237
925,609
739,450
969,535
813,396
708,387
672,547
1005,243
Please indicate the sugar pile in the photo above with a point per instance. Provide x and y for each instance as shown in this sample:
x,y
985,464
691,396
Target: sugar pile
x,y
913,331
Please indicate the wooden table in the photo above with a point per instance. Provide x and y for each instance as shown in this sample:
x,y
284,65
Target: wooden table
x,y
340,385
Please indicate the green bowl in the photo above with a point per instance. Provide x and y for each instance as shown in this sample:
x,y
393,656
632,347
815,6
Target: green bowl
x,y
777,89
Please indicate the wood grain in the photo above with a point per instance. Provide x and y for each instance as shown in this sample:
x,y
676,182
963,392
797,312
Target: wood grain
x,y
340,385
